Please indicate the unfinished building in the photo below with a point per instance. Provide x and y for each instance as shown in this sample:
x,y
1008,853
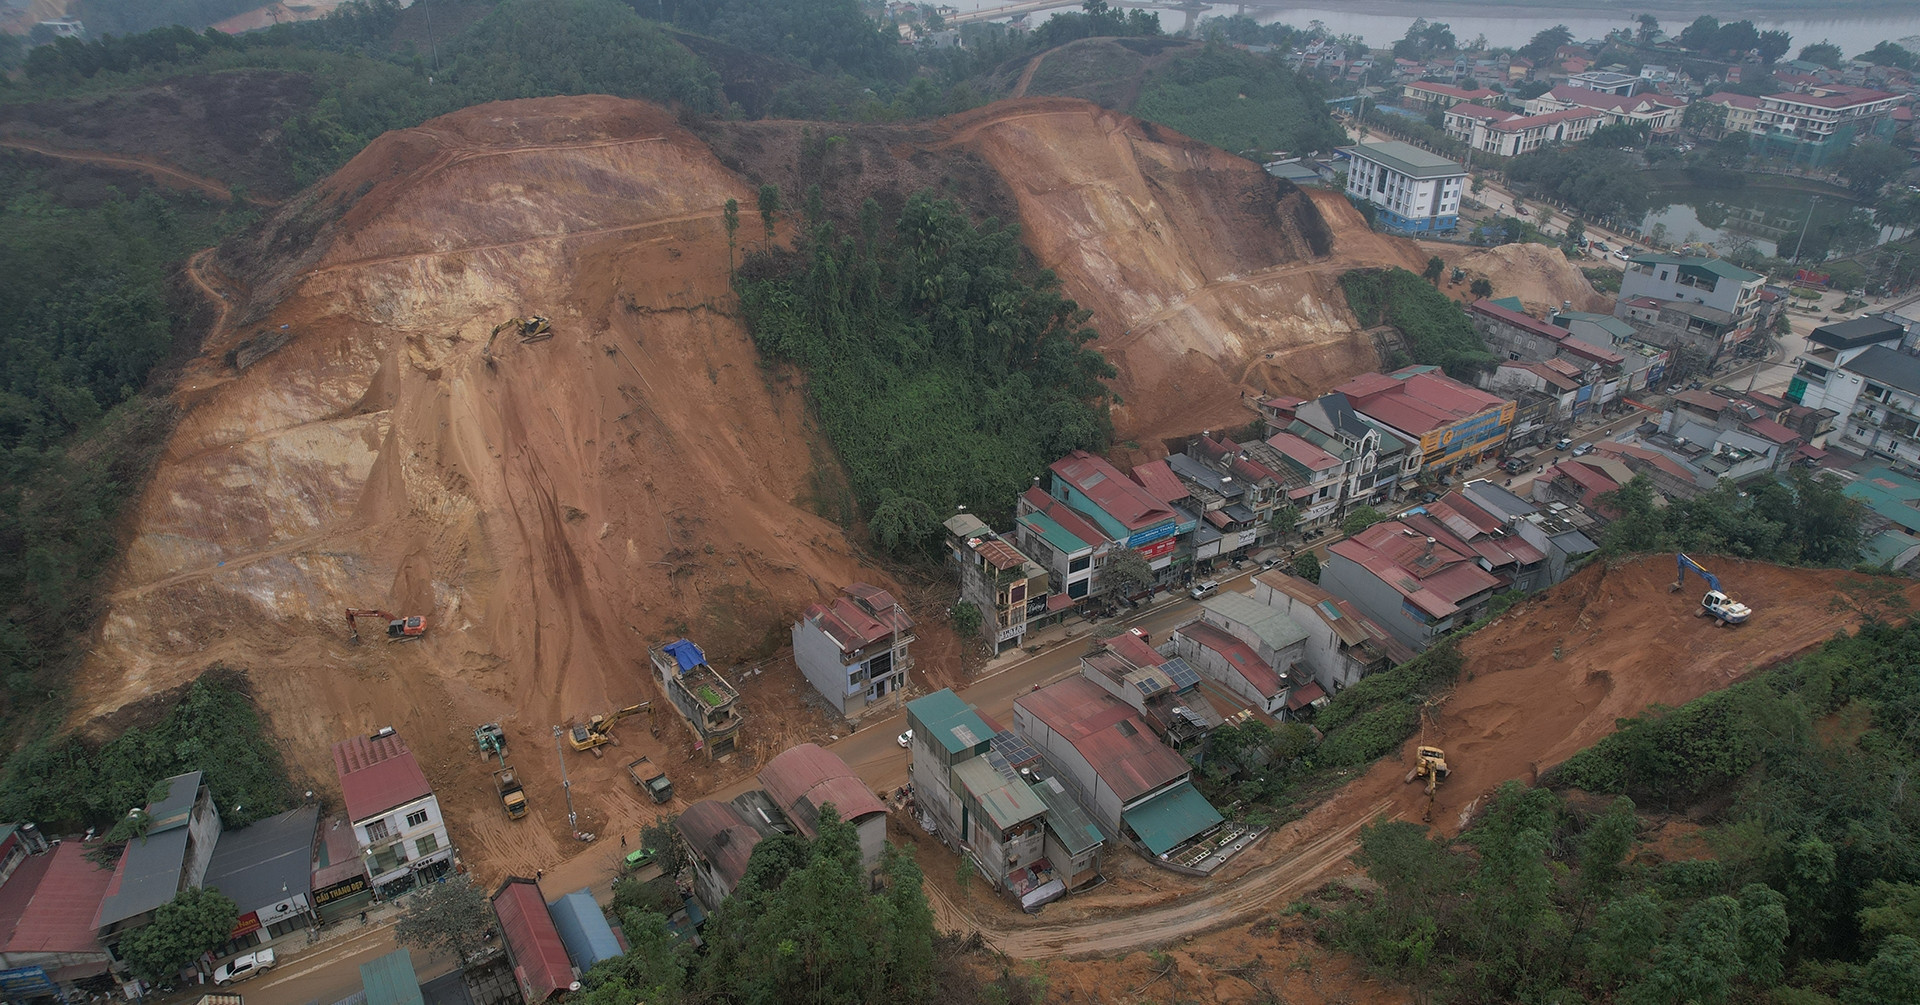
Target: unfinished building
x,y
704,698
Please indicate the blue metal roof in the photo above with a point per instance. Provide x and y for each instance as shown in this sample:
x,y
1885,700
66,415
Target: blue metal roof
x,y
583,929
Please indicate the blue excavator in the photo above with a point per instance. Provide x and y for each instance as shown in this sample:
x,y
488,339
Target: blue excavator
x,y
1723,609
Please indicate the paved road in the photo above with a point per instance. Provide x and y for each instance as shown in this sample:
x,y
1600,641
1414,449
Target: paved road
x,y
331,972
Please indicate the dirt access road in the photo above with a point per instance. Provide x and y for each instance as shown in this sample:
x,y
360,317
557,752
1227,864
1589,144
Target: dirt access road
x,y
169,176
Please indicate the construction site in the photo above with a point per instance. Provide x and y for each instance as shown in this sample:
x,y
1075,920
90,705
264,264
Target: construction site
x,y
482,395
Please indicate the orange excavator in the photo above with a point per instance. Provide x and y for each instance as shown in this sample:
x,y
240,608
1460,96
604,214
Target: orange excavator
x,y
399,629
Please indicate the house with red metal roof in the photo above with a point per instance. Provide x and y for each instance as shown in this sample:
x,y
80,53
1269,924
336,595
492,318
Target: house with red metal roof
x,y
1123,510
1413,585
534,947
805,779
49,896
396,819
1427,94
1460,524
1342,644
1452,422
1510,134
1133,785
853,649
1164,690
719,839
1582,481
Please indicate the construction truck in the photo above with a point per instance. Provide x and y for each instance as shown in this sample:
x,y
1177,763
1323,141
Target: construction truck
x,y
1431,764
399,629
648,777
491,740
529,329
513,798
1723,609
598,729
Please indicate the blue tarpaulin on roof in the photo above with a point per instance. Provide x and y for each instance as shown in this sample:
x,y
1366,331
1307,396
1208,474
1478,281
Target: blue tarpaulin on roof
x,y
686,654
583,929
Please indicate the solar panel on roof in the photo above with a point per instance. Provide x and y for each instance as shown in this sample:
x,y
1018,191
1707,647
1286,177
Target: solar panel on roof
x,y
1017,751
1181,672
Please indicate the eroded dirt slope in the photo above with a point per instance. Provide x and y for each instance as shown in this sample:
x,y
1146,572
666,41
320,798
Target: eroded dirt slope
x,y
634,476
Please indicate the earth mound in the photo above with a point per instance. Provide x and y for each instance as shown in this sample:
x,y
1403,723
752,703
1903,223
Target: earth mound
x,y
346,443
1540,276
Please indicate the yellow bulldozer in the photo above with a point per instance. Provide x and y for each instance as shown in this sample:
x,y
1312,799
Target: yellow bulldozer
x,y
1431,764
597,731
530,329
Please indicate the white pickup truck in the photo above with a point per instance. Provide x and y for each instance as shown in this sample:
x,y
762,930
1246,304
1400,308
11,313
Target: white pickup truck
x,y
242,967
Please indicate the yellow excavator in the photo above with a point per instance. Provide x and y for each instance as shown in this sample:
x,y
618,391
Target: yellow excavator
x,y
530,329
597,731
1431,764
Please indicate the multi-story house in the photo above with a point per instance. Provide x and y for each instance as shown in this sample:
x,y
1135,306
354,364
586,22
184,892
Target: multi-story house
x,y
1250,649
179,830
1425,94
1527,339
1452,422
1321,472
1413,190
1741,115
1816,128
1606,82
1819,381
1408,582
1342,645
1510,135
1660,113
1164,690
1705,305
1379,464
706,702
396,819
1061,539
1121,509
1884,420
1003,584
854,649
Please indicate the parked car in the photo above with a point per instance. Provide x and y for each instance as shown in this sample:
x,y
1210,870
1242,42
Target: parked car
x,y
1204,589
1625,254
1513,465
1269,562
1583,450
639,857
1429,497
242,967
904,739
1602,248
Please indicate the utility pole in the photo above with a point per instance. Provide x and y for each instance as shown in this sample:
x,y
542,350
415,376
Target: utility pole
x,y
565,785
1803,228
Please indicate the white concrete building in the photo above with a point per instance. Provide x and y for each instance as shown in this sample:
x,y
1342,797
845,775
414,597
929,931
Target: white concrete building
x,y
396,819
1413,189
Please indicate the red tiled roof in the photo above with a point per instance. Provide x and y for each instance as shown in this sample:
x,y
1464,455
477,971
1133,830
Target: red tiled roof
x,y
817,775
1415,401
1521,123
1609,448
539,957
1858,97
1160,481
1703,399
1731,99
850,626
1448,90
1100,482
1472,111
1119,747
1238,655
377,775
1772,430
48,904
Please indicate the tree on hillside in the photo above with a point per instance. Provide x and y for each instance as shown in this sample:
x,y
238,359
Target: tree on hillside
x,y
1698,36
769,205
966,619
1546,42
730,215
1823,52
1481,288
1436,267
1869,165
1735,38
1126,574
1891,54
1773,44
195,921
450,918
1649,27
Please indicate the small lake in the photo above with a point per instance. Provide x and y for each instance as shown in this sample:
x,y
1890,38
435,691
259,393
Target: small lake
x,y
1771,218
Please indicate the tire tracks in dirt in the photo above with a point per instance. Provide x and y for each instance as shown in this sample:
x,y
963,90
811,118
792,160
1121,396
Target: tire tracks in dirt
x,y
1227,902
409,256
210,187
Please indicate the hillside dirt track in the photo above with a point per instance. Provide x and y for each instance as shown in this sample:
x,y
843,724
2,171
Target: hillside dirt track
x,y
1624,643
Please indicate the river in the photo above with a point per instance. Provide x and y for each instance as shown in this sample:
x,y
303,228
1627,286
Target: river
x,y
1382,22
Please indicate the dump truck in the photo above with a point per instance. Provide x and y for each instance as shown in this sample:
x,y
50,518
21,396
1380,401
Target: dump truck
x,y
513,798
648,777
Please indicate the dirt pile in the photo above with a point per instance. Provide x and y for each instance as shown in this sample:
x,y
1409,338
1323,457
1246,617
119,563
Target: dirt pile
x,y
632,478
1540,276
1548,679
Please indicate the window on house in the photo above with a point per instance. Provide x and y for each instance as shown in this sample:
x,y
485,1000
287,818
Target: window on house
x,y
378,831
426,845
416,818
1081,564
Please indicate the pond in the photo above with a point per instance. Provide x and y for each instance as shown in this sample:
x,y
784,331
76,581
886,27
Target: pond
x,y
1771,217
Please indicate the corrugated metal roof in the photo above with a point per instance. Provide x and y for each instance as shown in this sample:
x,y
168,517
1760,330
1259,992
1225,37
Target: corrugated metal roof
x,y
1157,478
1238,655
1067,819
377,775
48,904
1274,629
806,778
1113,492
950,722
266,861
720,836
583,929
539,957
1167,820
1007,802
391,980
150,868
1105,731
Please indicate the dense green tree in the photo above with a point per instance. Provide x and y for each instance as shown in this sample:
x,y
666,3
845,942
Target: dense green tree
x,y
1704,117
966,619
1869,165
1823,52
1306,565
1546,42
1649,28
1126,574
1436,332
1893,975
1481,287
196,920
1891,54
653,969
450,918
1436,267
1698,36
1425,39
1238,101
1773,44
